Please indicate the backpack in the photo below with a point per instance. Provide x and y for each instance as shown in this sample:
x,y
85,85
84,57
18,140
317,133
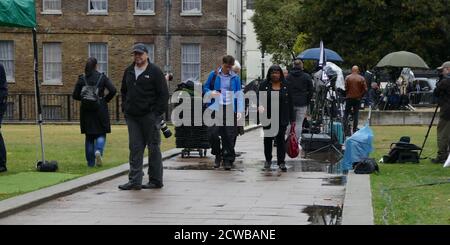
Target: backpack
x,y
366,166
89,94
403,152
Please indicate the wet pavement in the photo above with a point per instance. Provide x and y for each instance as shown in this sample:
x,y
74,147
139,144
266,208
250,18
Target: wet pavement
x,y
311,192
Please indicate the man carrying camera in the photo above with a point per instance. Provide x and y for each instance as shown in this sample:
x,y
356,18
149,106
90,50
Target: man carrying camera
x,y
442,91
145,97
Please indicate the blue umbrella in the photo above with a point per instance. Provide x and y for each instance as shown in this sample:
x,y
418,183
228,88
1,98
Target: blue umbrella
x,y
314,54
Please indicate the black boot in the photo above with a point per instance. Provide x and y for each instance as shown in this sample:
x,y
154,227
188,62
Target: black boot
x,y
130,186
227,165
217,161
267,165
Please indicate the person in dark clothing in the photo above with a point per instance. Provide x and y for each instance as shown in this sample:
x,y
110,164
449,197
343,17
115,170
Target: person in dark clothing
x,y
94,119
375,96
223,85
3,104
275,82
145,98
442,92
302,90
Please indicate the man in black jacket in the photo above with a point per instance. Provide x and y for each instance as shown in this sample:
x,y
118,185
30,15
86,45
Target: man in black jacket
x,y
442,91
145,97
302,89
3,97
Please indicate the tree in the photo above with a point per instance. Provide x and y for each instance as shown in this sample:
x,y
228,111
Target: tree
x,y
365,31
276,28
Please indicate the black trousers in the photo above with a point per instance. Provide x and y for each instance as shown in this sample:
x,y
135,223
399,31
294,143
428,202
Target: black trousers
x,y
281,146
223,139
355,105
2,143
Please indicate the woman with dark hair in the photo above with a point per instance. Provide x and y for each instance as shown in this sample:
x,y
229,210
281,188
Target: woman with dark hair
x,y
276,82
94,115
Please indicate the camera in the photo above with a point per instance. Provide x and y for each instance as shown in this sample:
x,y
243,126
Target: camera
x,y
165,130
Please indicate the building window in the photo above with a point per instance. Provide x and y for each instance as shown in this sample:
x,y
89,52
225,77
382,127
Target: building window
x,y
190,68
98,6
191,7
145,7
52,63
7,58
51,6
100,52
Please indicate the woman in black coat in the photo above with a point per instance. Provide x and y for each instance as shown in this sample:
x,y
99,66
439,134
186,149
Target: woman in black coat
x,y
94,119
276,82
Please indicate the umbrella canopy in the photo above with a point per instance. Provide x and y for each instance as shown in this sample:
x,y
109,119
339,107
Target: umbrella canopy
x,y
314,54
403,59
18,13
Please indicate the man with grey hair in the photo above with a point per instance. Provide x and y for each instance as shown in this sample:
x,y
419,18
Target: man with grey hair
x,y
302,89
442,91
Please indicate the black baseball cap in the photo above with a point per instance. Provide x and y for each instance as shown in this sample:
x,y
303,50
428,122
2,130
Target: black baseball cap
x,y
140,48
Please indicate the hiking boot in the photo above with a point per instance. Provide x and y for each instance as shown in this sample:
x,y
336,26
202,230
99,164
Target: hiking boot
x,y
130,186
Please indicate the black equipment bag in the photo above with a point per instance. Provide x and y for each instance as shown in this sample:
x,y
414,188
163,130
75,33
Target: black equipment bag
x,y
366,166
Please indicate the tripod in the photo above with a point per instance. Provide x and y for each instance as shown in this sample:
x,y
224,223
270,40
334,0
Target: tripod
x,y
332,105
428,132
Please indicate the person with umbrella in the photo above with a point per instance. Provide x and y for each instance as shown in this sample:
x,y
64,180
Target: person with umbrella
x,y
356,88
442,91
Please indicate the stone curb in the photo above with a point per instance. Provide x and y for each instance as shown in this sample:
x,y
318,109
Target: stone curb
x,y
358,201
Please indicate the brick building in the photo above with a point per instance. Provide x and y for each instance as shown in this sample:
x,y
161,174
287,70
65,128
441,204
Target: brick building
x,y
185,37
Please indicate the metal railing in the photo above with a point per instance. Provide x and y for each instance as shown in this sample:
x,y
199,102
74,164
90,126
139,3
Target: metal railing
x,y
422,99
56,108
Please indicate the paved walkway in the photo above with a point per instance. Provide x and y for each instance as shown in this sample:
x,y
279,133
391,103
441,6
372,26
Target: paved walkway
x,y
194,193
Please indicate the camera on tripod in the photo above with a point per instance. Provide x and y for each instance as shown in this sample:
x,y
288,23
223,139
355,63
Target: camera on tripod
x,y
165,129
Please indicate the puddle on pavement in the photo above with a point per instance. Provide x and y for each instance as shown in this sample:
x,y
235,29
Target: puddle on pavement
x,y
335,181
324,215
314,166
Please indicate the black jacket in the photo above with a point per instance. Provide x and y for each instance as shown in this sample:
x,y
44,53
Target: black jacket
x,y
286,108
149,93
442,91
3,84
301,86
95,122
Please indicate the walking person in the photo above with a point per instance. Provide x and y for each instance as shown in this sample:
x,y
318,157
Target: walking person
x,y
3,104
301,88
356,88
145,98
275,82
94,115
442,92
223,85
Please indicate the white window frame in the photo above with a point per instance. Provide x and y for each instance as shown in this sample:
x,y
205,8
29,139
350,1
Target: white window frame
x,y
11,79
96,12
107,55
57,81
51,11
199,61
144,12
191,13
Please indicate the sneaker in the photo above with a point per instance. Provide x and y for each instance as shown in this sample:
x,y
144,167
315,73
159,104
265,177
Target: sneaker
x,y
267,165
283,167
98,159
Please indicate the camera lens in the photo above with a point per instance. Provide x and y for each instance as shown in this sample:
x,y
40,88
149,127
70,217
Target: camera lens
x,y
166,131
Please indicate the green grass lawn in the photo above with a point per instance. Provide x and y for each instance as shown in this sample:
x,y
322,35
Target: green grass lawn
x,y
397,198
62,143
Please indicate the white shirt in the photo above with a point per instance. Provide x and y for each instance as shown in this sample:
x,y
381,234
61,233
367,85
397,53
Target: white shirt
x,y
138,71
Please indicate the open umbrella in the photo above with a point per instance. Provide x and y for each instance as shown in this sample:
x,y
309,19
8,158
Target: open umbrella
x,y
314,54
403,59
22,14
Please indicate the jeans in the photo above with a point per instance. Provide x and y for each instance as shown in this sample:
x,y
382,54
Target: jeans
x,y
350,104
2,143
300,115
94,143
